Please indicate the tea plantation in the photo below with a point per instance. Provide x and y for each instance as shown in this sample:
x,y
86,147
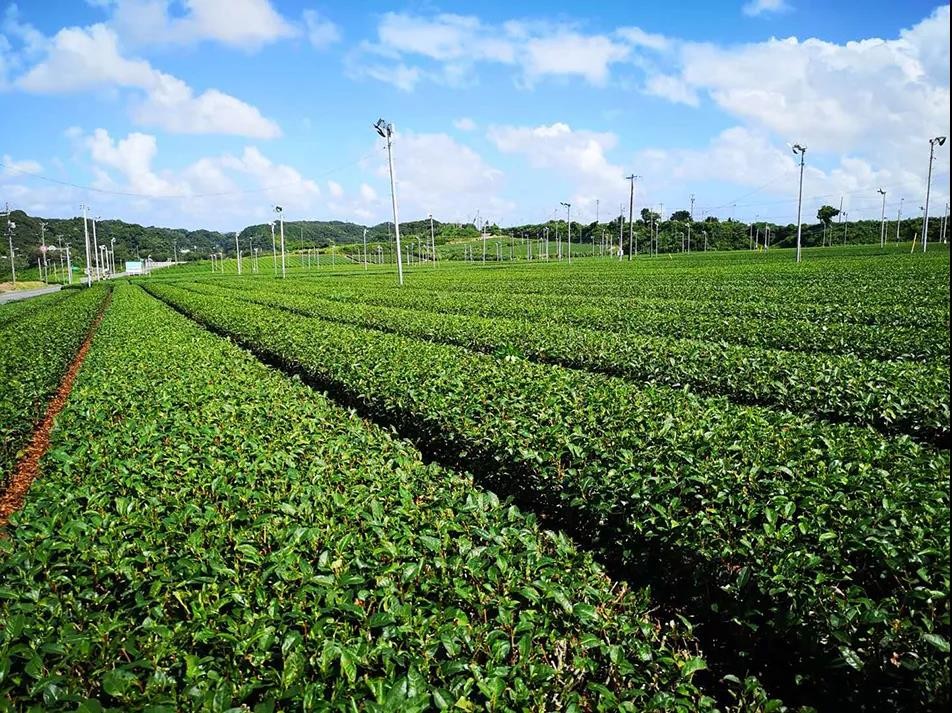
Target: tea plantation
x,y
706,482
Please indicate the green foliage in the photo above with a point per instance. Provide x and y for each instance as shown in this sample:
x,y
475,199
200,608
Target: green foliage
x,y
40,336
829,541
211,535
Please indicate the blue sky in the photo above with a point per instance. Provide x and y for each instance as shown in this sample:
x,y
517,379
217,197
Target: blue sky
x,y
205,113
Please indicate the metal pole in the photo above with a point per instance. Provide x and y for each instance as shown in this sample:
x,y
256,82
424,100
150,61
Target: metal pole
x,y
69,267
631,213
45,270
803,152
393,199
274,251
238,252
96,250
882,227
365,249
899,219
89,267
284,266
925,218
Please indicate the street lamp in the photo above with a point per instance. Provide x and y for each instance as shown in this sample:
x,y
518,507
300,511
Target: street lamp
x,y
925,217
386,131
568,219
280,212
882,228
802,150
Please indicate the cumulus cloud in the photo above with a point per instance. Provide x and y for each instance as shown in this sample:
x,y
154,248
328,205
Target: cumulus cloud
x,y
321,32
578,155
437,174
761,7
245,24
445,49
79,59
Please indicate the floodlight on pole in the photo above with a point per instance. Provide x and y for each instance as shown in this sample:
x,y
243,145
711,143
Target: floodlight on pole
x,y
89,267
385,130
568,218
280,212
238,252
631,215
925,216
882,227
802,150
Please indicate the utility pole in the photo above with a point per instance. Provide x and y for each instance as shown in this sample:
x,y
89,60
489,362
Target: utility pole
x,y
89,267
274,251
238,252
631,213
386,131
925,216
284,266
568,218
365,249
69,267
10,227
45,273
882,227
802,150
96,250
432,241
899,219
690,222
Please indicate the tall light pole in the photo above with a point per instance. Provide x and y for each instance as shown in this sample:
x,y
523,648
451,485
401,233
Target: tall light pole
x,y
925,216
882,228
432,241
45,270
690,222
238,252
89,267
386,131
568,219
899,219
274,252
96,249
631,212
10,227
280,212
112,254
802,150
365,249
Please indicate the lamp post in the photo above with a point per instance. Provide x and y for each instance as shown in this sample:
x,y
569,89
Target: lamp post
x,y
882,228
802,150
89,267
280,212
274,252
925,216
631,216
238,252
385,130
568,219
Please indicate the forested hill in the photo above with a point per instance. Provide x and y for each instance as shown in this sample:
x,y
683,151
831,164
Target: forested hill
x,y
138,241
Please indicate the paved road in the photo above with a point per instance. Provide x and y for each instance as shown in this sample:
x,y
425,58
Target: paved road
x,y
24,294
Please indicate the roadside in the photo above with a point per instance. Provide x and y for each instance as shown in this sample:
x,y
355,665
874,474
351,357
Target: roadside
x,y
25,294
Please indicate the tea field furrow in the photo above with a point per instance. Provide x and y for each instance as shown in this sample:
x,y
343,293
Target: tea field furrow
x,y
827,541
901,397
210,535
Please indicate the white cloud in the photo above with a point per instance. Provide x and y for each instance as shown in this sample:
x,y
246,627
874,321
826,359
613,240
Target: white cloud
x,y
368,194
759,7
79,59
569,53
336,190
436,173
246,24
445,48
321,32
12,167
464,124
639,38
672,88
578,155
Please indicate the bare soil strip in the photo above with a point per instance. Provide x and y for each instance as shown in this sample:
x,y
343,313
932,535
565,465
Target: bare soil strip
x,y
28,468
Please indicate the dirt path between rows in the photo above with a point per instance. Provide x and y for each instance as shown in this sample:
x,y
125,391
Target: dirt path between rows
x,y
28,468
